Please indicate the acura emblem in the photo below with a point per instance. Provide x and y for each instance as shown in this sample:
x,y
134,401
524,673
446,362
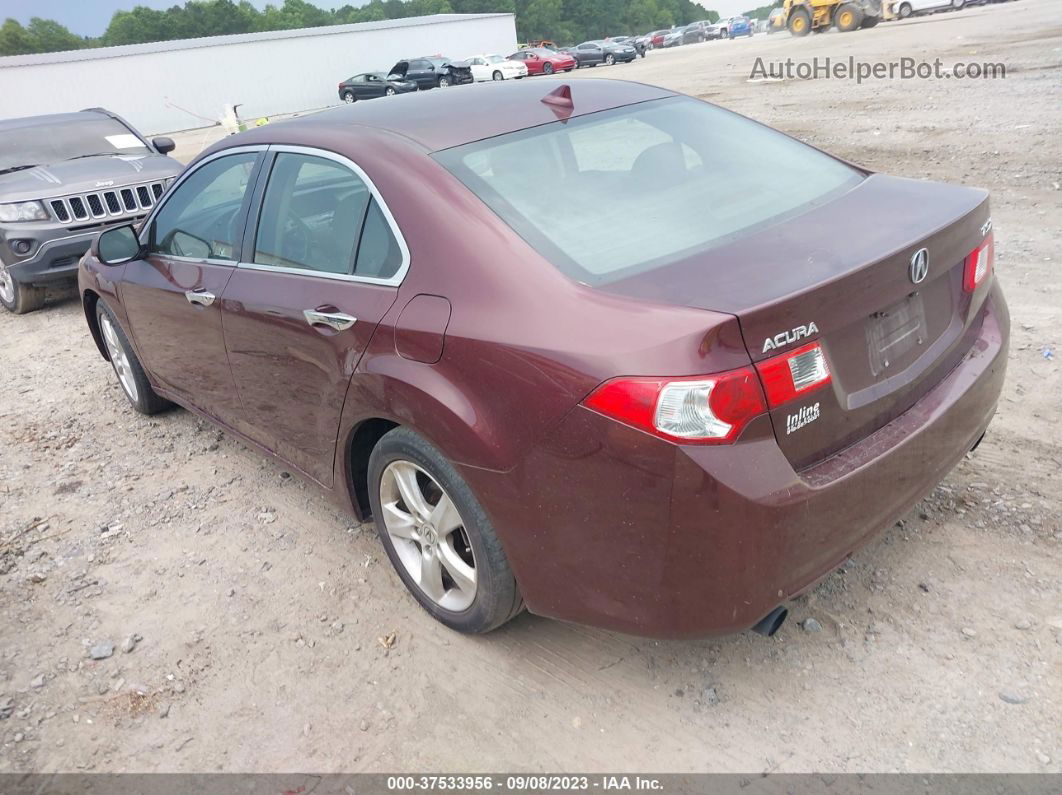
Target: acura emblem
x,y
919,265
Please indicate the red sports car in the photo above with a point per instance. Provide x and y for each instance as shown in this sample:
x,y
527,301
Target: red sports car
x,y
541,61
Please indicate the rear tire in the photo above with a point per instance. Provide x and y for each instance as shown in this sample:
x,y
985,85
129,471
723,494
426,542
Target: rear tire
x,y
19,297
497,76
799,23
131,376
905,10
349,98
485,592
958,5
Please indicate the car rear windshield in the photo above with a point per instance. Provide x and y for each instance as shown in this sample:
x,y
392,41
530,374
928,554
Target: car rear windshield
x,y
641,187
50,142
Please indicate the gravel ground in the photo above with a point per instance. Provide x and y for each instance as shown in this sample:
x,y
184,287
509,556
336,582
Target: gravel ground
x,y
170,601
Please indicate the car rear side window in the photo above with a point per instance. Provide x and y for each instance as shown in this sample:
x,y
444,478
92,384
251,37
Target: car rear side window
x,y
640,187
200,218
379,255
312,215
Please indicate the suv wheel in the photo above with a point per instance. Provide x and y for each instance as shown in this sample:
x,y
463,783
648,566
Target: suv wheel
x,y
18,297
131,376
438,537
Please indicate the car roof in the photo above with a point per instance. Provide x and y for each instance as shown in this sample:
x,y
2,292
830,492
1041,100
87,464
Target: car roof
x,y
442,119
51,118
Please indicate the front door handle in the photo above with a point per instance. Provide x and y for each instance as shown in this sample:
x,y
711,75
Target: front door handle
x,y
201,297
334,320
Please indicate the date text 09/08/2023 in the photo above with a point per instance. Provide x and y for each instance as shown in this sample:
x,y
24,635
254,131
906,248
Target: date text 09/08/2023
x,y
523,783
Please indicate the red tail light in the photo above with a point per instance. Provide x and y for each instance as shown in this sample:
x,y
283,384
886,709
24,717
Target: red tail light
x,y
979,264
692,410
792,374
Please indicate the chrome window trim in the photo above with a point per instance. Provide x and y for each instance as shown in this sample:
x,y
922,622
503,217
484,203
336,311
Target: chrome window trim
x,y
403,268
168,194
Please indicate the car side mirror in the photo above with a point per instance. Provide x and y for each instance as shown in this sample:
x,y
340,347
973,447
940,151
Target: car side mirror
x,y
163,145
117,246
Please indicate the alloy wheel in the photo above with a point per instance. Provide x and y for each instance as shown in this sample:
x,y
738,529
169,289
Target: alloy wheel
x,y
348,98
390,91
7,286
428,535
118,357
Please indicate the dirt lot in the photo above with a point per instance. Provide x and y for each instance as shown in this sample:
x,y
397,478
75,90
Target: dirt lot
x,y
259,609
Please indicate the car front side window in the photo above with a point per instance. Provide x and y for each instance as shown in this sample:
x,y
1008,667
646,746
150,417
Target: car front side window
x,y
201,217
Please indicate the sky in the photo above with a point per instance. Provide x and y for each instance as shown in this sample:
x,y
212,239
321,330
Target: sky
x,y
90,17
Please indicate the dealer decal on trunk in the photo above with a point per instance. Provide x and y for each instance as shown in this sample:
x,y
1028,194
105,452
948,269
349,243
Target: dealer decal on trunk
x,y
794,422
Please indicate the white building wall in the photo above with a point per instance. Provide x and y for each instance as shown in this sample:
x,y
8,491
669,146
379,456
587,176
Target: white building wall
x,y
181,85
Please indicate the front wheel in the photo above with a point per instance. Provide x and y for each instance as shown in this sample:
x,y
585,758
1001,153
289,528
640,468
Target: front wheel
x,y
497,76
958,4
547,69
444,82
131,376
799,23
905,10
19,297
610,59
390,91
438,537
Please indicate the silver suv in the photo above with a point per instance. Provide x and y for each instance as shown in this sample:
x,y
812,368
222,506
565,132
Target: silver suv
x,y
63,179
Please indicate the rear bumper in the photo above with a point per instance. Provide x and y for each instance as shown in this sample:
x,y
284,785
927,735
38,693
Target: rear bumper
x,y
605,525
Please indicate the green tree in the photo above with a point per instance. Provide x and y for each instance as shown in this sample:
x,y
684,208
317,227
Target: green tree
x,y
13,39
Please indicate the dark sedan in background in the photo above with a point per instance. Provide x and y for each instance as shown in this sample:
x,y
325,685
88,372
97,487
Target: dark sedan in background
x,y
592,53
372,85
432,71
714,410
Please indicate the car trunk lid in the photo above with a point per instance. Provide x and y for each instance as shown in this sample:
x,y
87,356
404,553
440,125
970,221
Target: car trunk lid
x,y
841,274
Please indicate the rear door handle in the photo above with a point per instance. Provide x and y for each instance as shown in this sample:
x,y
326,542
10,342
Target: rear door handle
x,y
201,297
337,321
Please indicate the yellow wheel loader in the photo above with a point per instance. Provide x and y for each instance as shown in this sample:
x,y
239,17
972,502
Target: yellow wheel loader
x,y
816,16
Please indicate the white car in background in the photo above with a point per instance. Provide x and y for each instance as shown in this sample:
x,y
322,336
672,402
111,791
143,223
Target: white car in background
x,y
494,67
905,8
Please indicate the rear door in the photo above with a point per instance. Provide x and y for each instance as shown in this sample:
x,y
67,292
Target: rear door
x,y
322,260
170,295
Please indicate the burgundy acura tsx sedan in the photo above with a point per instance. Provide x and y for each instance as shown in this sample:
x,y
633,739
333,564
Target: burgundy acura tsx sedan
x,y
666,405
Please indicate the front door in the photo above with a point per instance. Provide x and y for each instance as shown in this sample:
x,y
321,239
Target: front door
x,y
322,265
171,295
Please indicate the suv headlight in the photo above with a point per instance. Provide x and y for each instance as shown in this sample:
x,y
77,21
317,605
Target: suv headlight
x,y
23,211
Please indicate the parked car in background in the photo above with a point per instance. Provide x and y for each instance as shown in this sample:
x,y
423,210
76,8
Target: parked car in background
x,y
906,8
617,52
736,26
63,178
693,34
542,61
431,72
674,38
494,67
715,30
692,433
371,85
589,53
656,38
